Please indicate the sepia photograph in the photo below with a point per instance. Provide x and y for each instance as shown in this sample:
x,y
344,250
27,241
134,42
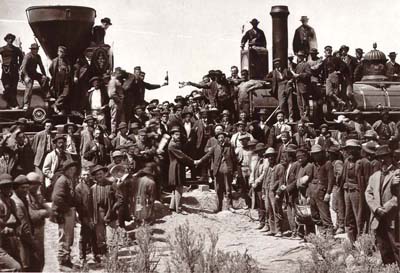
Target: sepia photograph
x,y
188,136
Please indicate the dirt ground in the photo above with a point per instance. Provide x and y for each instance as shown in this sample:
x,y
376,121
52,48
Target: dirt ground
x,y
236,232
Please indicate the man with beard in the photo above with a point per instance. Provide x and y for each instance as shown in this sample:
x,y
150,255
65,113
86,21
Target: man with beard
x,y
11,57
325,139
359,123
382,201
303,136
392,68
96,151
278,127
385,128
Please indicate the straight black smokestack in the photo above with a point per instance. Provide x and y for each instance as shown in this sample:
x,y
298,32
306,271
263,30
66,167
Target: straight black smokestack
x,y
279,16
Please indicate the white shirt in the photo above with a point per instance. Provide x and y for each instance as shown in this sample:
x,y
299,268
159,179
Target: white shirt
x,y
96,100
188,127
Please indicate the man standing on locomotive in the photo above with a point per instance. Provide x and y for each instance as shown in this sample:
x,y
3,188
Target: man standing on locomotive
x,y
29,74
12,58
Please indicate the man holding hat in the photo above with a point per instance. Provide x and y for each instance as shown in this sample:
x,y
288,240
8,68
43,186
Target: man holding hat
x,y
99,32
9,253
279,78
64,208
392,68
28,252
61,81
11,57
38,211
320,188
304,37
382,201
254,36
29,74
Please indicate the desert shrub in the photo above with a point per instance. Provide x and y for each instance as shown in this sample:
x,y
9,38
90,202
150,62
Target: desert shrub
x,y
329,256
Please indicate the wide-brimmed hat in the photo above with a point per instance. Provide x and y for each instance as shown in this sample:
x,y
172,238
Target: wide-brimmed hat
x,y
254,21
291,148
260,147
276,60
314,51
243,137
239,123
117,169
135,125
352,143
186,112
328,47
106,20
371,134
70,124
394,54
334,149
359,50
370,147
225,113
270,151
34,46
59,136
252,142
175,129
97,168
21,180
34,178
122,125
116,154
324,125
345,47
70,163
383,150
95,78
316,148
89,117
304,18
9,36
262,111
5,179
221,133
179,98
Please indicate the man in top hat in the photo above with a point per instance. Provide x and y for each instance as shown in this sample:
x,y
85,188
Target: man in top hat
x,y
274,177
304,37
224,168
28,252
42,144
9,252
385,128
11,57
61,79
38,211
392,68
254,36
382,201
99,32
320,188
279,78
64,208
302,75
116,95
53,162
29,74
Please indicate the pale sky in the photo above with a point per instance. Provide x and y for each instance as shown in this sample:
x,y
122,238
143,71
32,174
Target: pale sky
x,y
189,37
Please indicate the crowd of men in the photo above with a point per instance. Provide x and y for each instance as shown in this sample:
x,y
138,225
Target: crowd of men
x,y
109,170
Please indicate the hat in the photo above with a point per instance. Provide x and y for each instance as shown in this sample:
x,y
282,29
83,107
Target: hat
x,y
9,36
34,46
353,143
356,112
21,121
70,124
5,179
178,105
314,51
151,106
142,132
46,121
280,112
392,54
334,149
260,147
302,150
383,150
323,125
69,163
213,109
178,98
304,18
174,129
239,123
88,117
291,148
122,125
370,147
137,107
117,169
262,111
225,113
316,148
344,47
252,142
276,60
371,134
106,20
137,68
97,168
270,151
92,79
116,154
328,47
341,119
221,133
243,137
135,125
186,112
155,101
254,21
34,178
301,53
62,48
197,96
359,50
59,136
21,180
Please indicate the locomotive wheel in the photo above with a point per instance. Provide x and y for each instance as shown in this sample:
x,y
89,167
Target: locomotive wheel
x,y
39,114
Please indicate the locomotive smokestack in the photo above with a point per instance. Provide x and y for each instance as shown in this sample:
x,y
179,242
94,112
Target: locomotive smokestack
x,y
279,16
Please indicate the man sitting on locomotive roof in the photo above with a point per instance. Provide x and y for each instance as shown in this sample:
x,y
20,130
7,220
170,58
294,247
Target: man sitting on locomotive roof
x,y
29,74
99,32
393,68
254,36
11,61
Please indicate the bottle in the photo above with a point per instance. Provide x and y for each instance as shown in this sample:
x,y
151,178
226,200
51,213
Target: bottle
x,y
166,79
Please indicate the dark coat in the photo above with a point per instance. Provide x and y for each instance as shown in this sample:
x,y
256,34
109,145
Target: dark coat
x,y
255,37
39,146
303,80
392,69
304,39
279,80
98,157
323,175
21,160
177,162
217,153
63,195
290,182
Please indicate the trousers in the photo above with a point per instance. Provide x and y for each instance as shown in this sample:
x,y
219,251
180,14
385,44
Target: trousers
x,y
10,83
223,186
44,84
176,197
66,235
353,214
8,263
320,212
275,213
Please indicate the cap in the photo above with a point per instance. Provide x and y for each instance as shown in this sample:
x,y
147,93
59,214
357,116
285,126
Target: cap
x,y
21,180
174,129
276,60
116,154
122,125
353,143
97,168
34,178
316,148
304,18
